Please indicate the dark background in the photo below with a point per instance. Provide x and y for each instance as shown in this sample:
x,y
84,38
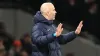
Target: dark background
x,y
66,13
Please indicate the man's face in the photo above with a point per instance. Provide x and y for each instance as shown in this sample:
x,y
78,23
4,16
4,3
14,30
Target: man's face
x,y
52,12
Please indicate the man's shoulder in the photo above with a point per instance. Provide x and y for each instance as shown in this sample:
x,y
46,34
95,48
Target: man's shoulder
x,y
39,26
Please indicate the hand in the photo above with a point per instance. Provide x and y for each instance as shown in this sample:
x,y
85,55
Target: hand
x,y
59,30
78,30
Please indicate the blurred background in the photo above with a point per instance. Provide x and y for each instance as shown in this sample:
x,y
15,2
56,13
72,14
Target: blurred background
x,y
16,17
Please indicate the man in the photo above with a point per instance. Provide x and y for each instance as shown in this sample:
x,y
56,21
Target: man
x,y
45,36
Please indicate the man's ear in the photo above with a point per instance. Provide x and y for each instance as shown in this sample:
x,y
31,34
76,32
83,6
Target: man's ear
x,y
47,13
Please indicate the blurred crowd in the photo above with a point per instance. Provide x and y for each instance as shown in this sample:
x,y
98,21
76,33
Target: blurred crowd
x,y
9,46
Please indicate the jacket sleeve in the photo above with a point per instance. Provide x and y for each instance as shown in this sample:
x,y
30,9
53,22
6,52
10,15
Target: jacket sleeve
x,y
40,39
65,38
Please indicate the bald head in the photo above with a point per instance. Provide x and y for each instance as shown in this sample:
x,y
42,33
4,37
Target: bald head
x,y
45,7
48,10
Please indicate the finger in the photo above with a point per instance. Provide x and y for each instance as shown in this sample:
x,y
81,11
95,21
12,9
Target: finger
x,y
61,29
80,23
81,26
59,25
79,29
